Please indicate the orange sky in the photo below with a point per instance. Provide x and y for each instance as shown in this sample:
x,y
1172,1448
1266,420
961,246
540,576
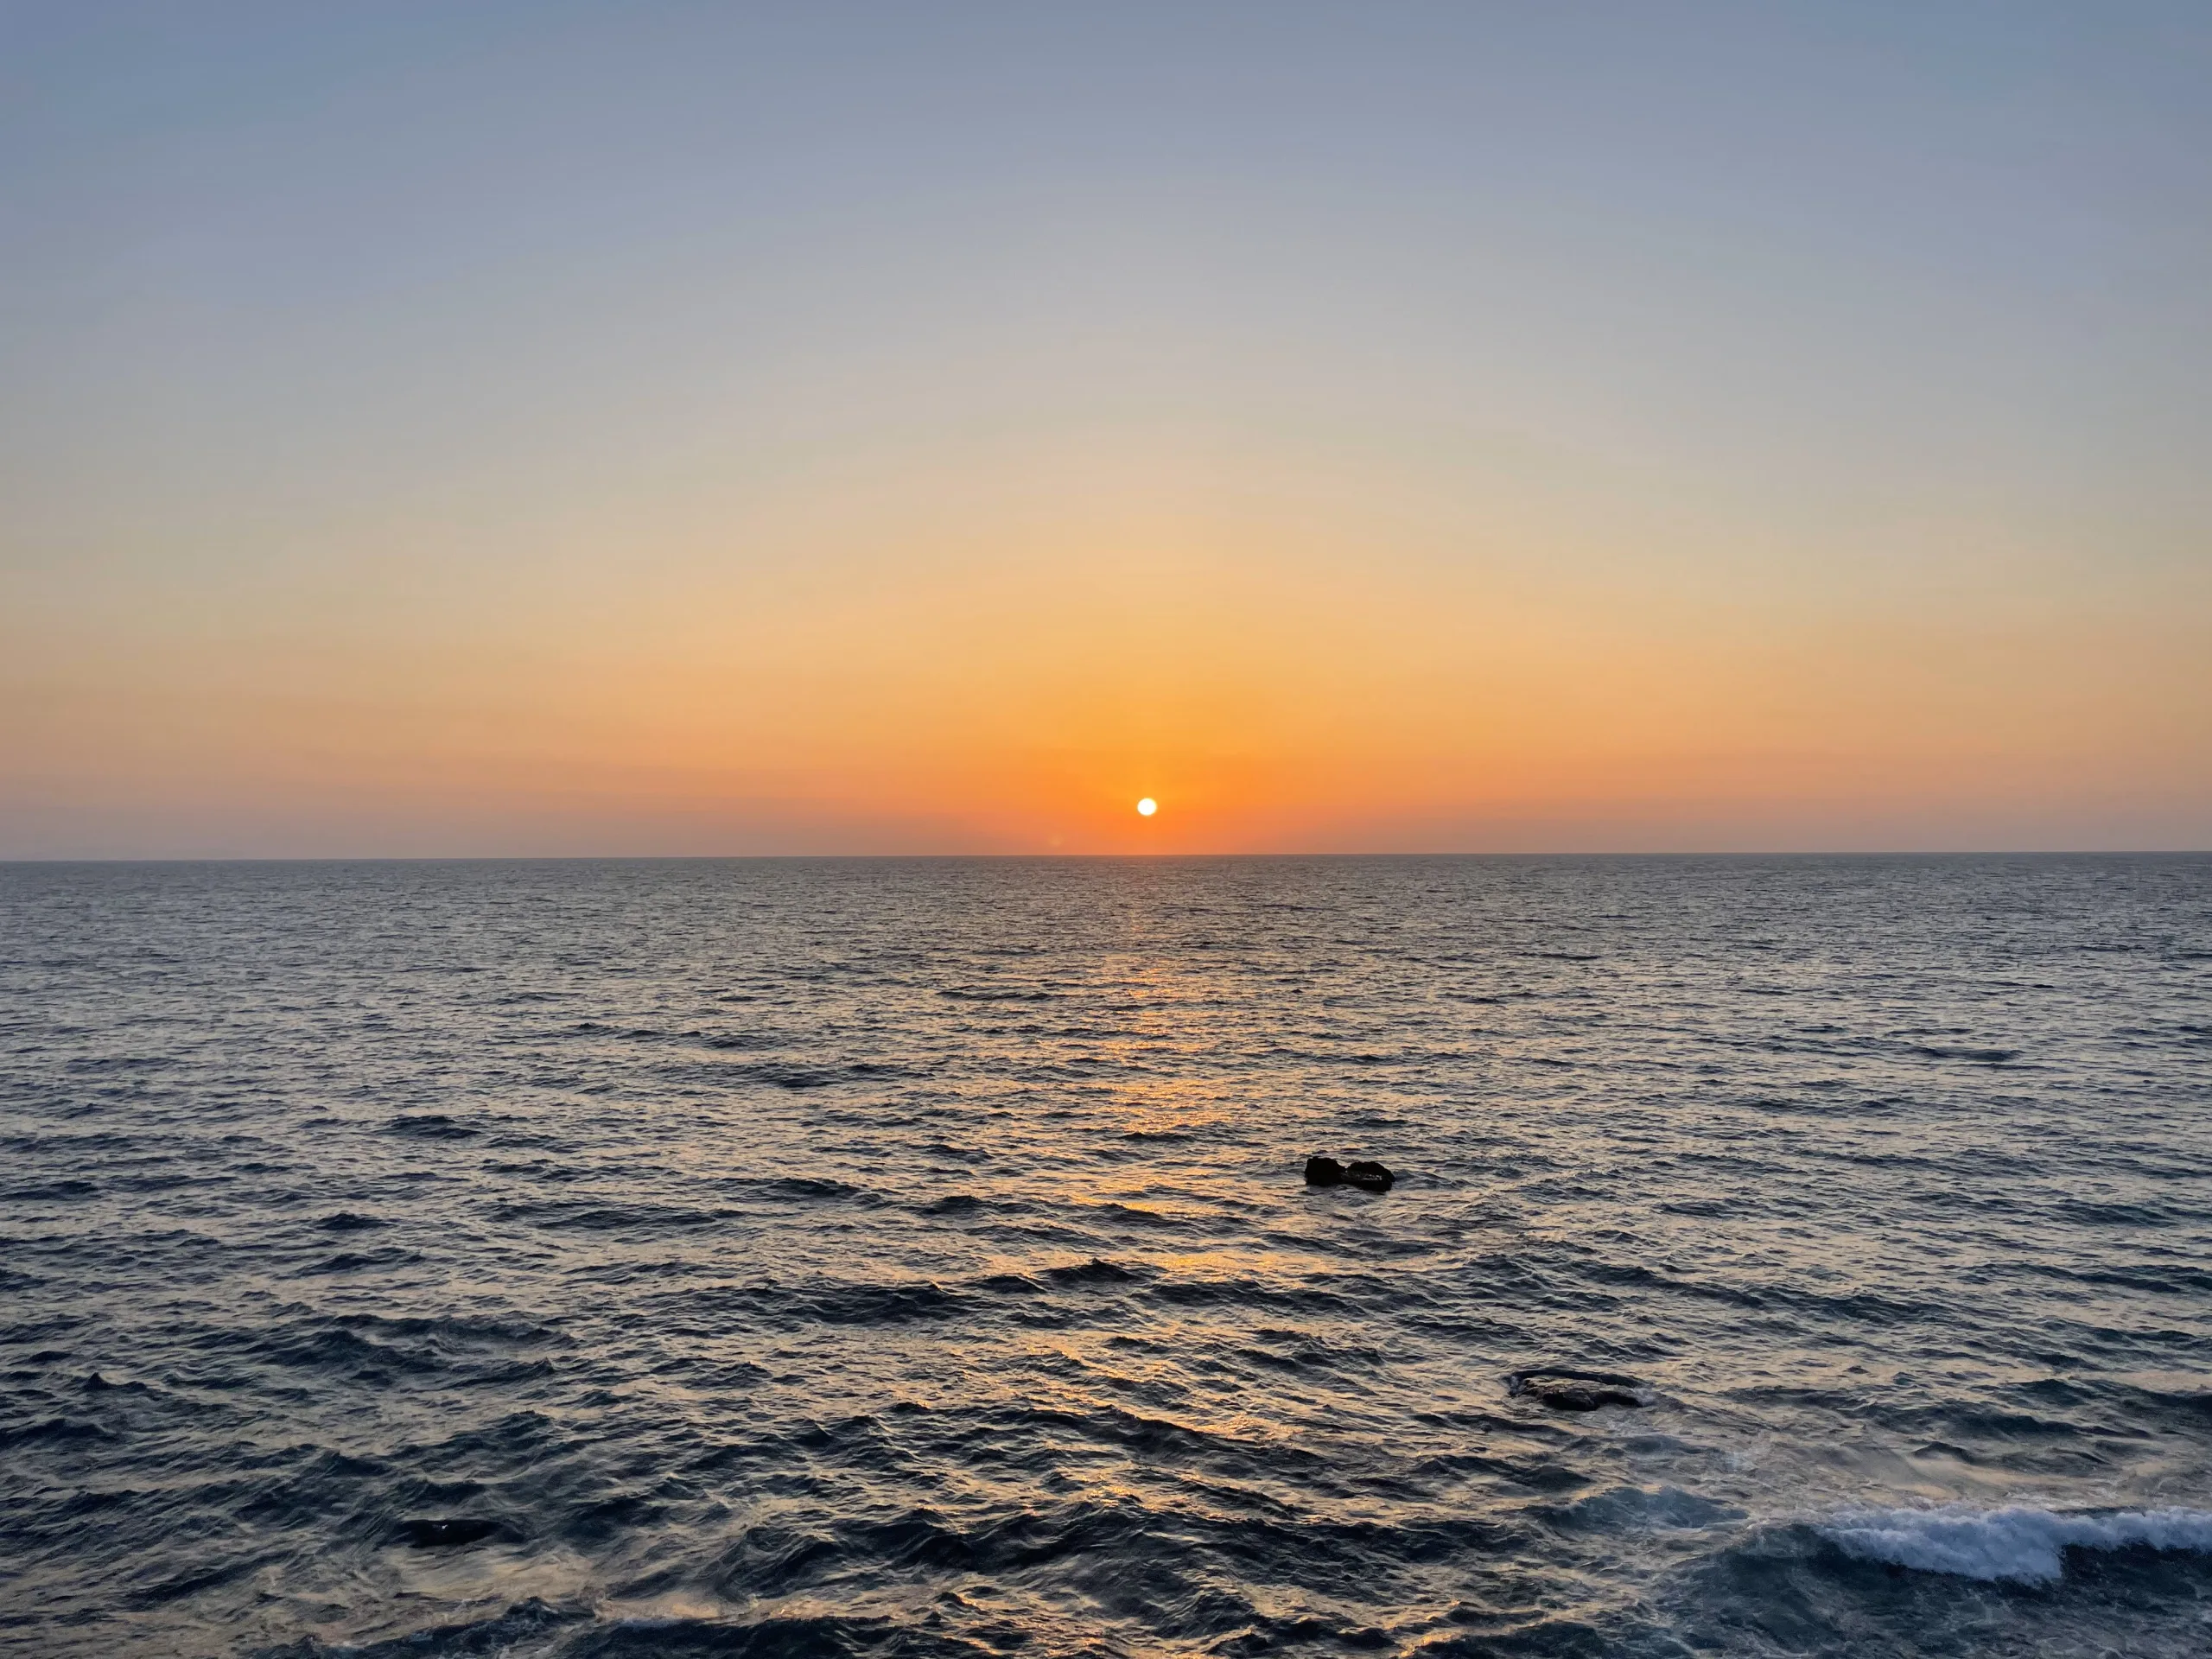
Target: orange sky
x,y
1307,663
1432,434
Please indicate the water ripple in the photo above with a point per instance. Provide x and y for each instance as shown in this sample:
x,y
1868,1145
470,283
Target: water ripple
x,y
911,1258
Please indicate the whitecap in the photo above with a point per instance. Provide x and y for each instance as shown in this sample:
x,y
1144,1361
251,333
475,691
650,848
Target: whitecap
x,y
2019,1543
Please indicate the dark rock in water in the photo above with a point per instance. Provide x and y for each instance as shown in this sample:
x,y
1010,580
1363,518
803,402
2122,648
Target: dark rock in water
x,y
1566,1390
449,1534
1582,1396
1327,1172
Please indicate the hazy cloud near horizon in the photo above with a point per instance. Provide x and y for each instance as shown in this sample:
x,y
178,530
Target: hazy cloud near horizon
x,y
572,429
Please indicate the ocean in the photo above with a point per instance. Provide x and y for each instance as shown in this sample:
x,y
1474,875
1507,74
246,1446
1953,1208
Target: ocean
x,y
914,1257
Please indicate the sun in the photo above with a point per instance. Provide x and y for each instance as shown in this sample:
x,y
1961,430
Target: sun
x,y
1147,807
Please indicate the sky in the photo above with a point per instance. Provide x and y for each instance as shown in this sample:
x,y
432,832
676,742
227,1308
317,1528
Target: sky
x,y
484,429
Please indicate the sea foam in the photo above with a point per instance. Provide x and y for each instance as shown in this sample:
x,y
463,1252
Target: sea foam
x,y
2022,1544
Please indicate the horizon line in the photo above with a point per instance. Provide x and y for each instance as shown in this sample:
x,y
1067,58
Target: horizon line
x,y
1070,858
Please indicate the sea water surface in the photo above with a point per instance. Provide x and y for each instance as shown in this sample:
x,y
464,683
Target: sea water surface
x,y
911,1257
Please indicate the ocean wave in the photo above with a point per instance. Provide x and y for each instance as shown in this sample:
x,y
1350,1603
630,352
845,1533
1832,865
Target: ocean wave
x,y
429,1126
1964,1051
2018,1544
794,1188
349,1221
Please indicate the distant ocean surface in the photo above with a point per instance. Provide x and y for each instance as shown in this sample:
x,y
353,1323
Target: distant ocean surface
x,y
911,1257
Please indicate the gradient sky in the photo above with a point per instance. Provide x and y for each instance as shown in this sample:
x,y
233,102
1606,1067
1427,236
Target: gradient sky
x,y
818,427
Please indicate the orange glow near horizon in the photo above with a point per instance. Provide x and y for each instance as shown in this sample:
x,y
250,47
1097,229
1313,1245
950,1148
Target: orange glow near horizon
x,y
950,676
980,697
1474,453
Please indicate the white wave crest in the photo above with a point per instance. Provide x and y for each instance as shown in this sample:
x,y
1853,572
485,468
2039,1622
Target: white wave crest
x,y
2021,1544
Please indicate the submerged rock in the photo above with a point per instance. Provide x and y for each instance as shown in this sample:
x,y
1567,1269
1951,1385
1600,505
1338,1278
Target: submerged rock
x,y
1566,1390
1367,1175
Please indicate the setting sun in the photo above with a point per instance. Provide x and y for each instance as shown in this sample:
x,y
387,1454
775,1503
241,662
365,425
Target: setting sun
x,y
1147,807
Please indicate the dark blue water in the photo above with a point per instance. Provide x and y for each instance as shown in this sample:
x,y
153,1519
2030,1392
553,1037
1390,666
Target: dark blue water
x,y
911,1258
